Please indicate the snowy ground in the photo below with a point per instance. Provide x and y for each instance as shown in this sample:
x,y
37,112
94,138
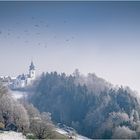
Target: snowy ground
x,y
75,136
18,94
10,135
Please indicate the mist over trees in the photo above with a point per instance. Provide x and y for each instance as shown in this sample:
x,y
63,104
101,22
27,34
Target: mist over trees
x,y
92,106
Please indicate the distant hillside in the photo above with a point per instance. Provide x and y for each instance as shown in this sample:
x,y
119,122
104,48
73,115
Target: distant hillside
x,y
89,104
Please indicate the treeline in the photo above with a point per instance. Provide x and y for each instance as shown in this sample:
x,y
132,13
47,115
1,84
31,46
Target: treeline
x,y
23,117
92,106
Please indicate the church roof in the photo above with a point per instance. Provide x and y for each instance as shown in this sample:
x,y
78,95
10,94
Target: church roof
x,y
32,67
23,77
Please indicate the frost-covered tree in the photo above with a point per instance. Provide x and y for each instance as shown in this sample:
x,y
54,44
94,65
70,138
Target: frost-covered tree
x,y
32,111
6,108
20,117
3,90
11,111
42,127
124,133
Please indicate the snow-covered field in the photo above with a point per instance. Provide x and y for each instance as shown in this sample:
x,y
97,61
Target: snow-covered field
x,y
10,135
75,137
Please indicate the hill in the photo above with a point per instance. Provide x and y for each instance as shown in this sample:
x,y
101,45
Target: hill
x,y
19,116
89,104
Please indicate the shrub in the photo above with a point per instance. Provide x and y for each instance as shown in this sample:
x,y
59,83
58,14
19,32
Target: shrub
x,y
1,126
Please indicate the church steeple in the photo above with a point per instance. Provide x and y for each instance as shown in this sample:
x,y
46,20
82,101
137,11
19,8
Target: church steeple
x,y
32,67
32,70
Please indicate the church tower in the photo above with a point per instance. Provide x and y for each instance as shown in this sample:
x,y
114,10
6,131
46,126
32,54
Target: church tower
x,y
32,71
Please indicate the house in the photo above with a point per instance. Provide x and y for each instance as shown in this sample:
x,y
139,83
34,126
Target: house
x,y
10,127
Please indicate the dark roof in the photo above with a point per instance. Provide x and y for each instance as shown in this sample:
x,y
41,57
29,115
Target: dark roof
x,y
23,77
11,126
19,76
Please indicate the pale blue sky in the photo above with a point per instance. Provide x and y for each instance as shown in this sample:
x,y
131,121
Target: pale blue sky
x,y
99,37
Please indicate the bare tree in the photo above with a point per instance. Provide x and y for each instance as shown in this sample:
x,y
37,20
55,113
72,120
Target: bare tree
x,y
20,117
3,90
6,108
11,111
42,127
123,133
32,111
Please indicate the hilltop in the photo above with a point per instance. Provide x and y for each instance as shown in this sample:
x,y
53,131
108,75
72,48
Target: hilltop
x,y
89,104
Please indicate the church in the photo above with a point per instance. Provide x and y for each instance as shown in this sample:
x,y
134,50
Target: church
x,y
24,80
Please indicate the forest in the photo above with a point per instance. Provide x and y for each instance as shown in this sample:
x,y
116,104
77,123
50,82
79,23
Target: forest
x,y
89,104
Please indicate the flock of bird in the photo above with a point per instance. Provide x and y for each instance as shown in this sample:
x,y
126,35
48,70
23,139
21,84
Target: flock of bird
x,y
35,30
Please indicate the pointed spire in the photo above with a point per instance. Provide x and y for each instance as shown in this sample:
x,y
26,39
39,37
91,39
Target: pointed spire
x,y
32,67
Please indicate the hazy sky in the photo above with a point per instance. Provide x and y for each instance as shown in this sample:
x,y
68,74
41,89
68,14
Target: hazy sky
x,y
99,37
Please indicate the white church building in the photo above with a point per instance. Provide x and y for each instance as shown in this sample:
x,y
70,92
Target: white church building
x,y
24,80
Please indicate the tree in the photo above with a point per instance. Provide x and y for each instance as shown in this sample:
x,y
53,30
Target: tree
x,y
32,111
6,108
11,111
42,127
20,117
3,90
123,133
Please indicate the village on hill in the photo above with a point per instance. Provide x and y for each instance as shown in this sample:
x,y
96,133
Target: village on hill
x,y
20,81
